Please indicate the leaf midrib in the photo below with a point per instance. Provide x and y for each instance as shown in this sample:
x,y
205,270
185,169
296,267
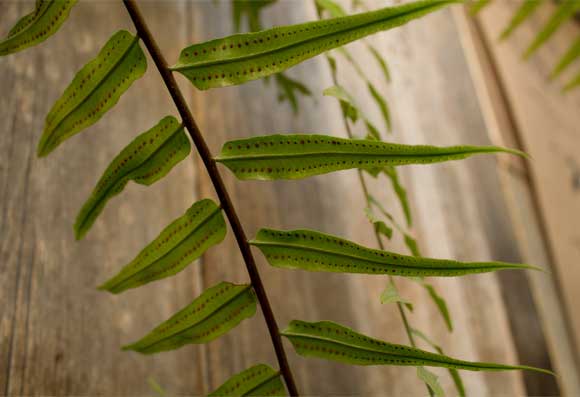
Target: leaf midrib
x,y
210,216
352,256
368,349
201,320
210,63
274,156
104,194
95,88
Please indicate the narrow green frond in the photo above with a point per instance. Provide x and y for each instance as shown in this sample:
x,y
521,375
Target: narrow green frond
x,y
179,244
380,226
300,156
431,380
334,9
243,57
146,160
526,9
565,11
319,252
290,89
331,341
382,104
215,312
259,380
569,57
95,89
32,29
381,61
575,82
400,192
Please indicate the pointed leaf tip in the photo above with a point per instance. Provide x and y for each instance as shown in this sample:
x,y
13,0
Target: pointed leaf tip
x,y
212,314
178,245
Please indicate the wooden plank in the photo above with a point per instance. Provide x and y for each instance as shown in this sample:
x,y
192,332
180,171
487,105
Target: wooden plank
x,y
546,125
58,335
434,105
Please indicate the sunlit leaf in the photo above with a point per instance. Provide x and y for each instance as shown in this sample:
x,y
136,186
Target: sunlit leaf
x,y
570,56
145,160
300,156
95,89
315,251
565,11
391,295
32,29
259,380
215,312
453,372
525,10
335,342
179,244
431,380
243,57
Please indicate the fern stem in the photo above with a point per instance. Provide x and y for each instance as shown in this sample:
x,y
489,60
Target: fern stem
x,y
225,201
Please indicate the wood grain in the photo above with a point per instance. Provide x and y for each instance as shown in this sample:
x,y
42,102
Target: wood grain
x,y
59,337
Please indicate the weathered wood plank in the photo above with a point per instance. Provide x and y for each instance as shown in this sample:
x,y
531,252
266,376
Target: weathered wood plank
x,y
58,335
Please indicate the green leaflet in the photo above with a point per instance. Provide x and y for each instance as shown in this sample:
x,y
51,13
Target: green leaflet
x,y
400,192
334,342
452,371
382,104
289,89
315,251
95,89
145,160
380,226
250,9
575,82
565,11
179,244
431,380
480,5
351,110
259,380
526,9
334,9
300,156
382,63
40,24
243,57
216,311
391,295
570,56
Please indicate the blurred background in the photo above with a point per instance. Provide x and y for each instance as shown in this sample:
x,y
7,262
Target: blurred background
x,y
452,82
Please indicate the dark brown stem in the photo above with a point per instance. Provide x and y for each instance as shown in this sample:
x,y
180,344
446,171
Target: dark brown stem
x,y
218,184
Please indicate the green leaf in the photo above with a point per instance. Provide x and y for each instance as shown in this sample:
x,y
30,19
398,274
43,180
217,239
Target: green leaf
x,y
334,9
250,9
347,102
480,5
259,380
440,303
95,89
400,192
145,160
300,156
243,57
381,61
391,295
179,244
526,9
335,342
215,312
382,104
32,29
380,226
565,11
452,371
570,56
315,251
431,380
290,89
575,82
